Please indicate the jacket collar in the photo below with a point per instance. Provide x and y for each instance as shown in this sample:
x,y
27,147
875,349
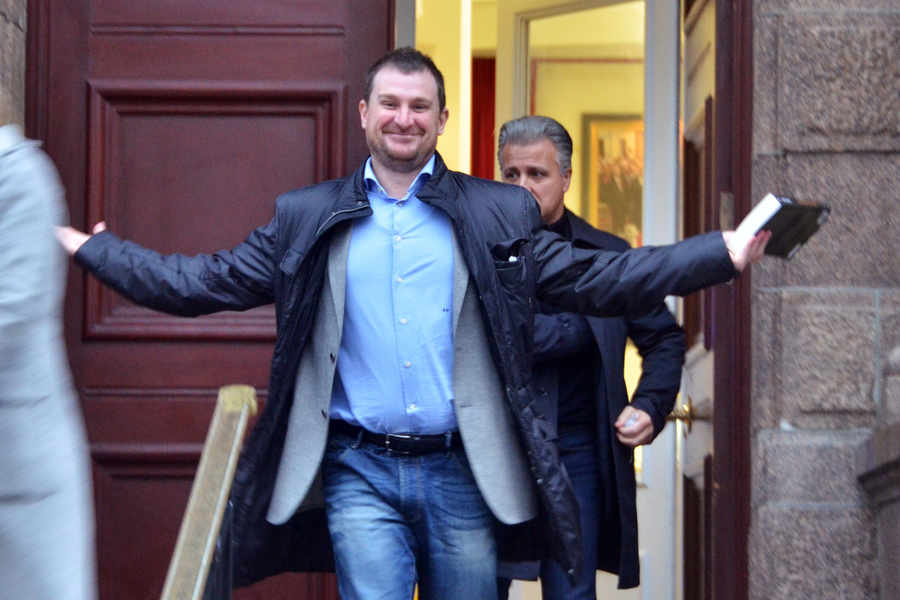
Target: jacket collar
x,y
583,232
352,196
439,190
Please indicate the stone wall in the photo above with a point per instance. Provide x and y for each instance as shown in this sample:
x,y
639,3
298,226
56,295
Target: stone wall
x,y
12,61
826,83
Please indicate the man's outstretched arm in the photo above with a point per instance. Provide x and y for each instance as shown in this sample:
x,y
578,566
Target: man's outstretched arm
x,y
605,283
235,279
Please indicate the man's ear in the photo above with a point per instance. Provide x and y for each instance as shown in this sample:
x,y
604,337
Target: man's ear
x,y
567,179
442,120
363,111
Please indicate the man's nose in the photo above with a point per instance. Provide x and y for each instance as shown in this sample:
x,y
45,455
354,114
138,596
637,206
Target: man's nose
x,y
403,116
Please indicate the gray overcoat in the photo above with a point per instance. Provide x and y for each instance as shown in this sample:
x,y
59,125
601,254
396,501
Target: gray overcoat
x,y
46,511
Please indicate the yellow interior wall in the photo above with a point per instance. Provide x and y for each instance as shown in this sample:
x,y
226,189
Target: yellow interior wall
x,y
567,90
484,27
618,24
444,32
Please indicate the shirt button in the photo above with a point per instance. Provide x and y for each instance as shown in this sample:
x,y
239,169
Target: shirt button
x,y
399,280
412,406
407,364
404,321
397,238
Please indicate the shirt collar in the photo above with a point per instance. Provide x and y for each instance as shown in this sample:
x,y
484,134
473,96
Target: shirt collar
x,y
372,183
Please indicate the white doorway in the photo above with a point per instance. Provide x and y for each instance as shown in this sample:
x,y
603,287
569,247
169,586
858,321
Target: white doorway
x,y
528,59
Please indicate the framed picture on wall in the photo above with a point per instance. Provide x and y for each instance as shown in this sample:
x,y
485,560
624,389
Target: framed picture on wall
x,y
613,159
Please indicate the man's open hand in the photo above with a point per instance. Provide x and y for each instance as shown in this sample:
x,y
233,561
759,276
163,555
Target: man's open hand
x,y
71,239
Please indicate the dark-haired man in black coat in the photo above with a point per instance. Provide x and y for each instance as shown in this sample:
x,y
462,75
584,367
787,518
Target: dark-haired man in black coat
x,y
580,367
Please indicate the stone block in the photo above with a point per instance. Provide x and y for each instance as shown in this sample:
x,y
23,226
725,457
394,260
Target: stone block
x,y
890,324
12,68
879,475
890,345
765,85
891,399
807,551
810,466
14,12
858,245
889,547
767,7
838,82
828,358
765,377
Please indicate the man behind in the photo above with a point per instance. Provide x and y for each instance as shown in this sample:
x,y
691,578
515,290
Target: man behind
x,y
400,398
580,363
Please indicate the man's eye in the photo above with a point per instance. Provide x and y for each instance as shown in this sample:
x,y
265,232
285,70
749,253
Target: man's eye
x,y
509,176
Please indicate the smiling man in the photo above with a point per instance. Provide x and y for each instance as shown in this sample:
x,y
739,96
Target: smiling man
x,y
400,404
580,366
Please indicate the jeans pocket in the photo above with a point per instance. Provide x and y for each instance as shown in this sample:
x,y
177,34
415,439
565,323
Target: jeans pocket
x,y
339,446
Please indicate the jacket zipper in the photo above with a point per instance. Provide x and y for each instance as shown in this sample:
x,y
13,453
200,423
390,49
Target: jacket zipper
x,y
330,220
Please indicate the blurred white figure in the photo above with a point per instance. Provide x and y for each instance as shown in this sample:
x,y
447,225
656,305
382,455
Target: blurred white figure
x,y
46,511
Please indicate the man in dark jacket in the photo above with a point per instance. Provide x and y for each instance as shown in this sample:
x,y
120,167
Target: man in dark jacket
x,y
579,363
400,408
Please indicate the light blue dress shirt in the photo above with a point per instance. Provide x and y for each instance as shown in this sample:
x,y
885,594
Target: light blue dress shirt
x,y
395,366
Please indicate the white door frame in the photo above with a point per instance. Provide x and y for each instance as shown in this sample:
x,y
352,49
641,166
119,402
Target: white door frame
x,y
659,527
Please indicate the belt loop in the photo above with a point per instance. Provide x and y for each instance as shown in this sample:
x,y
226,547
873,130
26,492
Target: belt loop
x,y
448,439
358,441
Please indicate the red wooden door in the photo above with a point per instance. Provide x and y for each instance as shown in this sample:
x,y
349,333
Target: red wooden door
x,y
179,122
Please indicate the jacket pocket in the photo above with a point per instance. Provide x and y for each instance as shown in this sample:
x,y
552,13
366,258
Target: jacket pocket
x,y
516,302
290,262
510,264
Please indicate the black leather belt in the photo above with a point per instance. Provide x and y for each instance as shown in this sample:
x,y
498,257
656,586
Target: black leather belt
x,y
407,444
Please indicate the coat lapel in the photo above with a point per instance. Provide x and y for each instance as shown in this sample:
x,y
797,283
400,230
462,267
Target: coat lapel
x,y
460,280
337,272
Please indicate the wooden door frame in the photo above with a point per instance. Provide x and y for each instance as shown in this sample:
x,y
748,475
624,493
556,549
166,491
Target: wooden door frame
x,y
731,304
36,76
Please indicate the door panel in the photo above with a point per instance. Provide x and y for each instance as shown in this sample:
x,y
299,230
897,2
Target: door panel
x,y
178,122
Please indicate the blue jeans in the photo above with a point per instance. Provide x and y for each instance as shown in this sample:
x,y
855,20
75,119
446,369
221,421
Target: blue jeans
x,y
398,519
578,452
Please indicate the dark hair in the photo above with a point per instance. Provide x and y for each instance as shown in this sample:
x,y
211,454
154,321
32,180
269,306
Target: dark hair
x,y
528,130
407,60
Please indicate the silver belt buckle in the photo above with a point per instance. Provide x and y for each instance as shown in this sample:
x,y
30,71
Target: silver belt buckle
x,y
399,436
